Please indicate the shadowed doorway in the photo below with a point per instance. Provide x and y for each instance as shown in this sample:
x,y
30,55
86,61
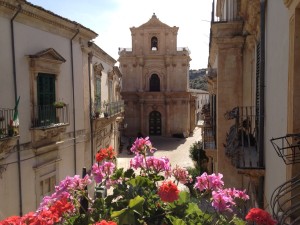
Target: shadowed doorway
x,y
155,123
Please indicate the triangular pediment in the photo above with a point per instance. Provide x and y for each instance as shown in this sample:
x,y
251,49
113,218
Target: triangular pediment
x,y
50,54
154,22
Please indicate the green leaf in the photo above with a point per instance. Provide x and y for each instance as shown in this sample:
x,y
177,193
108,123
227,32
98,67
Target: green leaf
x,y
176,221
137,204
238,221
118,213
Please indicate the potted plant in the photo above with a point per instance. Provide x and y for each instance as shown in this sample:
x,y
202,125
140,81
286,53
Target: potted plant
x,y
59,104
198,155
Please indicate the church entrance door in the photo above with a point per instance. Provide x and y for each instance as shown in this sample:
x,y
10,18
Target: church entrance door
x,y
155,123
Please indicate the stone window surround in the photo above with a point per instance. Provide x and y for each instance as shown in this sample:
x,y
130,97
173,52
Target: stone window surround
x,y
45,171
46,61
148,77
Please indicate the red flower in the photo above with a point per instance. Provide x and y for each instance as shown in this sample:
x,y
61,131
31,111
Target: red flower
x,y
104,222
12,220
260,217
168,191
105,153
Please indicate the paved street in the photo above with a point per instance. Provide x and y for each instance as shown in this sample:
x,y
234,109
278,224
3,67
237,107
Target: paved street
x,y
176,149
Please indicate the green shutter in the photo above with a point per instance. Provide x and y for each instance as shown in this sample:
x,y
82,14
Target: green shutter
x,y
46,98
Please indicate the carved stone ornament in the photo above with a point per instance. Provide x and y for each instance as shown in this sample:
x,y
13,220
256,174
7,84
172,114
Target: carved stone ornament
x,y
41,137
7,144
98,67
287,2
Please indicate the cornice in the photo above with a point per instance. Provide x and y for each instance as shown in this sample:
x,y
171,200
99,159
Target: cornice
x,y
36,16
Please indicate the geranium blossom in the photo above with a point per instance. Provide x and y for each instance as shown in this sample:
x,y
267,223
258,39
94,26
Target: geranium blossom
x,y
209,182
168,191
104,222
181,175
105,154
141,145
260,217
157,165
137,162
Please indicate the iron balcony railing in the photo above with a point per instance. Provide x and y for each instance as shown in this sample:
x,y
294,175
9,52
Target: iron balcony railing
x,y
288,148
113,108
8,128
285,202
227,12
241,144
45,116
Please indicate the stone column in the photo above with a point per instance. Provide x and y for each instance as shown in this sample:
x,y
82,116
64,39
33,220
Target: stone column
x,y
142,125
140,72
229,95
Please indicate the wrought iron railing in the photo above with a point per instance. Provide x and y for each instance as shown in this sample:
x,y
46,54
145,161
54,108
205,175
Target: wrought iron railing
x,y
285,202
288,148
7,127
114,108
241,145
50,116
229,11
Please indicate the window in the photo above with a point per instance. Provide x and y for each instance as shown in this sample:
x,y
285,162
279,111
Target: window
x,y
46,98
45,67
47,186
154,44
98,93
154,83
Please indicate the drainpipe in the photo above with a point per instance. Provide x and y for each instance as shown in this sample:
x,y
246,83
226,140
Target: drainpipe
x,y
90,56
16,97
73,94
261,101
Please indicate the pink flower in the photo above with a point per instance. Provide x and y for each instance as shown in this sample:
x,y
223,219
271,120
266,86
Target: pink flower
x,y
137,162
209,182
158,164
181,175
221,201
97,173
141,145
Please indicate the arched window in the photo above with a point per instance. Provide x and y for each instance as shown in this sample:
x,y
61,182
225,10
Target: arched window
x,y
154,44
154,83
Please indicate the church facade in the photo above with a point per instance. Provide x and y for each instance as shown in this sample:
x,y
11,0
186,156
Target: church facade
x,y
155,84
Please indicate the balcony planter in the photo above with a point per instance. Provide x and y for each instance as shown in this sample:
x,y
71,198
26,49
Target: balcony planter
x,y
59,104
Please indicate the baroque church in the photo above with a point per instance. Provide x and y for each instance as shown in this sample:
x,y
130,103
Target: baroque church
x,y
155,84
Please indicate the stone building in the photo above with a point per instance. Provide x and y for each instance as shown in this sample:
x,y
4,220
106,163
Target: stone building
x,y
155,82
46,58
253,116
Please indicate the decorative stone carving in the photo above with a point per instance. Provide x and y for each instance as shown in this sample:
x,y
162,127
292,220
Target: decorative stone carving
x,y
287,2
98,68
6,145
41,137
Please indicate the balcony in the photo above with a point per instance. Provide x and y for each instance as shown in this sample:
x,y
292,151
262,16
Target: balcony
x,y
9,132
108,110
241,144
285,202
7,128
48,116
226,11
288,148
113,108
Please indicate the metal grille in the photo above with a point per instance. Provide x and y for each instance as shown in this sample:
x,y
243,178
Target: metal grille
x,y
288,148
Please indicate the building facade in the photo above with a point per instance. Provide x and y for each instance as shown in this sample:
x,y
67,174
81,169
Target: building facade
x,y
51,83
253,105
155,82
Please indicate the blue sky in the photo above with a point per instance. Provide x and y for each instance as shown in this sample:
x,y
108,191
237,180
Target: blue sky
x,y
111,19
